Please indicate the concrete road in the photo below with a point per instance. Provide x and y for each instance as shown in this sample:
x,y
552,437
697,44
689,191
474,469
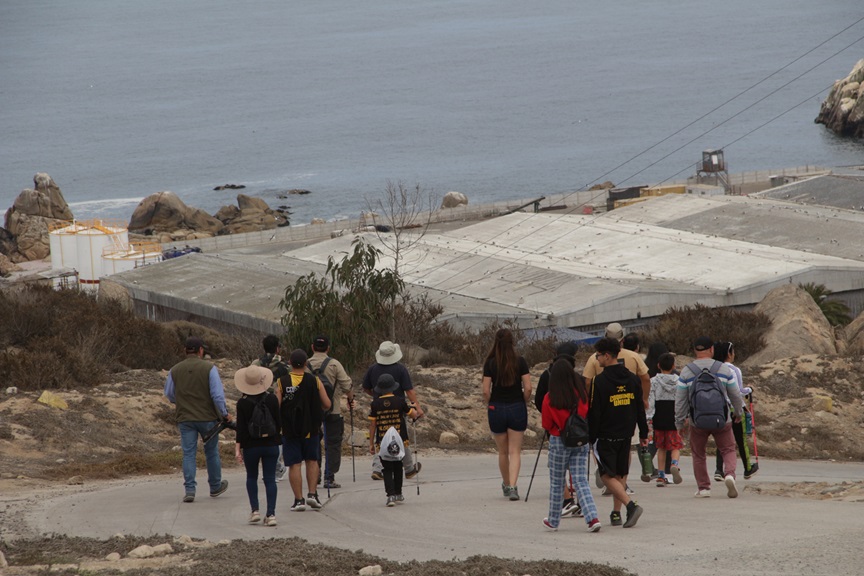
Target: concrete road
x,y
460,512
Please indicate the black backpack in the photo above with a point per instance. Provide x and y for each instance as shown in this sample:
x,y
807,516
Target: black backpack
x,y
709,408
261,422
575,432
329,387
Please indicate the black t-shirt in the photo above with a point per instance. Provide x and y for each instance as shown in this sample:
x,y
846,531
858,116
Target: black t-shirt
x,y
506,394
387,411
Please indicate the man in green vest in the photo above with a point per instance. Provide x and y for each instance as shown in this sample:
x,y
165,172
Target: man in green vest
x,y
195,389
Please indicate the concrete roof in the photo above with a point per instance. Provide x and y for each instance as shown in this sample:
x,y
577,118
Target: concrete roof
x,y
566,270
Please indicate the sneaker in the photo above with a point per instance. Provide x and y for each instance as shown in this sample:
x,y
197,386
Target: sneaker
x,y
578,512
548,525
391,501
615,519
505,489
312,501
703,493
569,507
299,505
280,474
254,517
629,490
594,525
270,521
377,476
676,474
331,484
731,489
219,491
662,481
718,476
606,491
597,480
754,468
400,499
514,494
189,497
633,516
414,472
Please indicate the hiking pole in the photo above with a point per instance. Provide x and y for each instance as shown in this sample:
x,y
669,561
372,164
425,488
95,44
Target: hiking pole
x,y
416,456
542,441
353,470
753,428
326,459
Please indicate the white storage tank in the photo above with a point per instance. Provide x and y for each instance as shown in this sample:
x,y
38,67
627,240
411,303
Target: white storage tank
x,y
131,256
63,243
91,239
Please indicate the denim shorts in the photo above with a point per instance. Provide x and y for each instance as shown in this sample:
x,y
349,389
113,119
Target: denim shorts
x,y
297,450
507,416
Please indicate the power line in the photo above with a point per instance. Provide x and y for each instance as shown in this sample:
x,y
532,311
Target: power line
x,y
511,245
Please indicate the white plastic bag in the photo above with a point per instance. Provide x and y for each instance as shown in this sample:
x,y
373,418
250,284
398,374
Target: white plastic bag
x,y
392,447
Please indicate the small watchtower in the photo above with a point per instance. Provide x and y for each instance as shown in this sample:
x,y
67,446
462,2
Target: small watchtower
x,y
712,170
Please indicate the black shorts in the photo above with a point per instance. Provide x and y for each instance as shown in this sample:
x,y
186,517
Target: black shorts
x,y
613,456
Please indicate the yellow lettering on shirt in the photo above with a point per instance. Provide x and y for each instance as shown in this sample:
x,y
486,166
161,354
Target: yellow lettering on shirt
x,y
622,399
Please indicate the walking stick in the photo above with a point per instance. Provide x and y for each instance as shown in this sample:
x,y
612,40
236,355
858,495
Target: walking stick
x,y
542,441
326,459
416,456
753,426
353,470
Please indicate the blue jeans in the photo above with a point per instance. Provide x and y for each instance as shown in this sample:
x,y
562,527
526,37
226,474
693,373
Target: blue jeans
x,y
189,432
268,456
562,458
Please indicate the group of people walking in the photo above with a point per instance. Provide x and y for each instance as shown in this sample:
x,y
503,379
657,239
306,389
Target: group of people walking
x,y
616,396
284,412
287,408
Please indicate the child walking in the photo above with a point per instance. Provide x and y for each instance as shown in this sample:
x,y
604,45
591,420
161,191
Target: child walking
x,y
661,412
389,410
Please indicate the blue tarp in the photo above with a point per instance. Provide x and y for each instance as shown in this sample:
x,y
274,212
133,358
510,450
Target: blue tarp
x,y
563,335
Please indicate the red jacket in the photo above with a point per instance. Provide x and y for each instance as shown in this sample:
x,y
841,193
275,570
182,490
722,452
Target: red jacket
x,y
554,419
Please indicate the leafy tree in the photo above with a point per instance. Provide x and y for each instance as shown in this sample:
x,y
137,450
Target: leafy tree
x,y
836,312
350,303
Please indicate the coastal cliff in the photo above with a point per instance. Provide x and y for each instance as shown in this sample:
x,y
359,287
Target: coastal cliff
x,y
843,109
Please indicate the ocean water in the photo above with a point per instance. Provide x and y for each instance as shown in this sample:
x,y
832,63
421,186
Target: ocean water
x,y
498,99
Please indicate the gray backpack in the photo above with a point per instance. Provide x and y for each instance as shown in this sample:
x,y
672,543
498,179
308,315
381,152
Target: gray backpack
x,y
709,407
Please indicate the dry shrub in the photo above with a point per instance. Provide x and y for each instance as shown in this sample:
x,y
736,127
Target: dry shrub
x,y
679,327
61,339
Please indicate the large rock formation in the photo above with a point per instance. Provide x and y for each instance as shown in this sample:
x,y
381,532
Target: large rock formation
x,y
798,326
163,213
854,333
250,215
454,199
843,109
28,219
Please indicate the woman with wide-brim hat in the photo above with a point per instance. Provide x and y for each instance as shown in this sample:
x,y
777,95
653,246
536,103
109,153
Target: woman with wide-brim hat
x,y
255,443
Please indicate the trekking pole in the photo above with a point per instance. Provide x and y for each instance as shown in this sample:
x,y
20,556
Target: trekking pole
x,y
326,459
416,456
542,441
753,428
353,470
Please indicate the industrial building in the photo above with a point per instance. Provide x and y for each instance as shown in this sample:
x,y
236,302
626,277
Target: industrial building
x,y
551,268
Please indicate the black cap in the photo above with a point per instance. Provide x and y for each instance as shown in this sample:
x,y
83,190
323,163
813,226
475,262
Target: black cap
x,y
193,343
298,358
703,343
321,343
566,349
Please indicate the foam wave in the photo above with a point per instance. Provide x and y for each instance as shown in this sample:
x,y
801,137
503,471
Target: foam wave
x,y
108,208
